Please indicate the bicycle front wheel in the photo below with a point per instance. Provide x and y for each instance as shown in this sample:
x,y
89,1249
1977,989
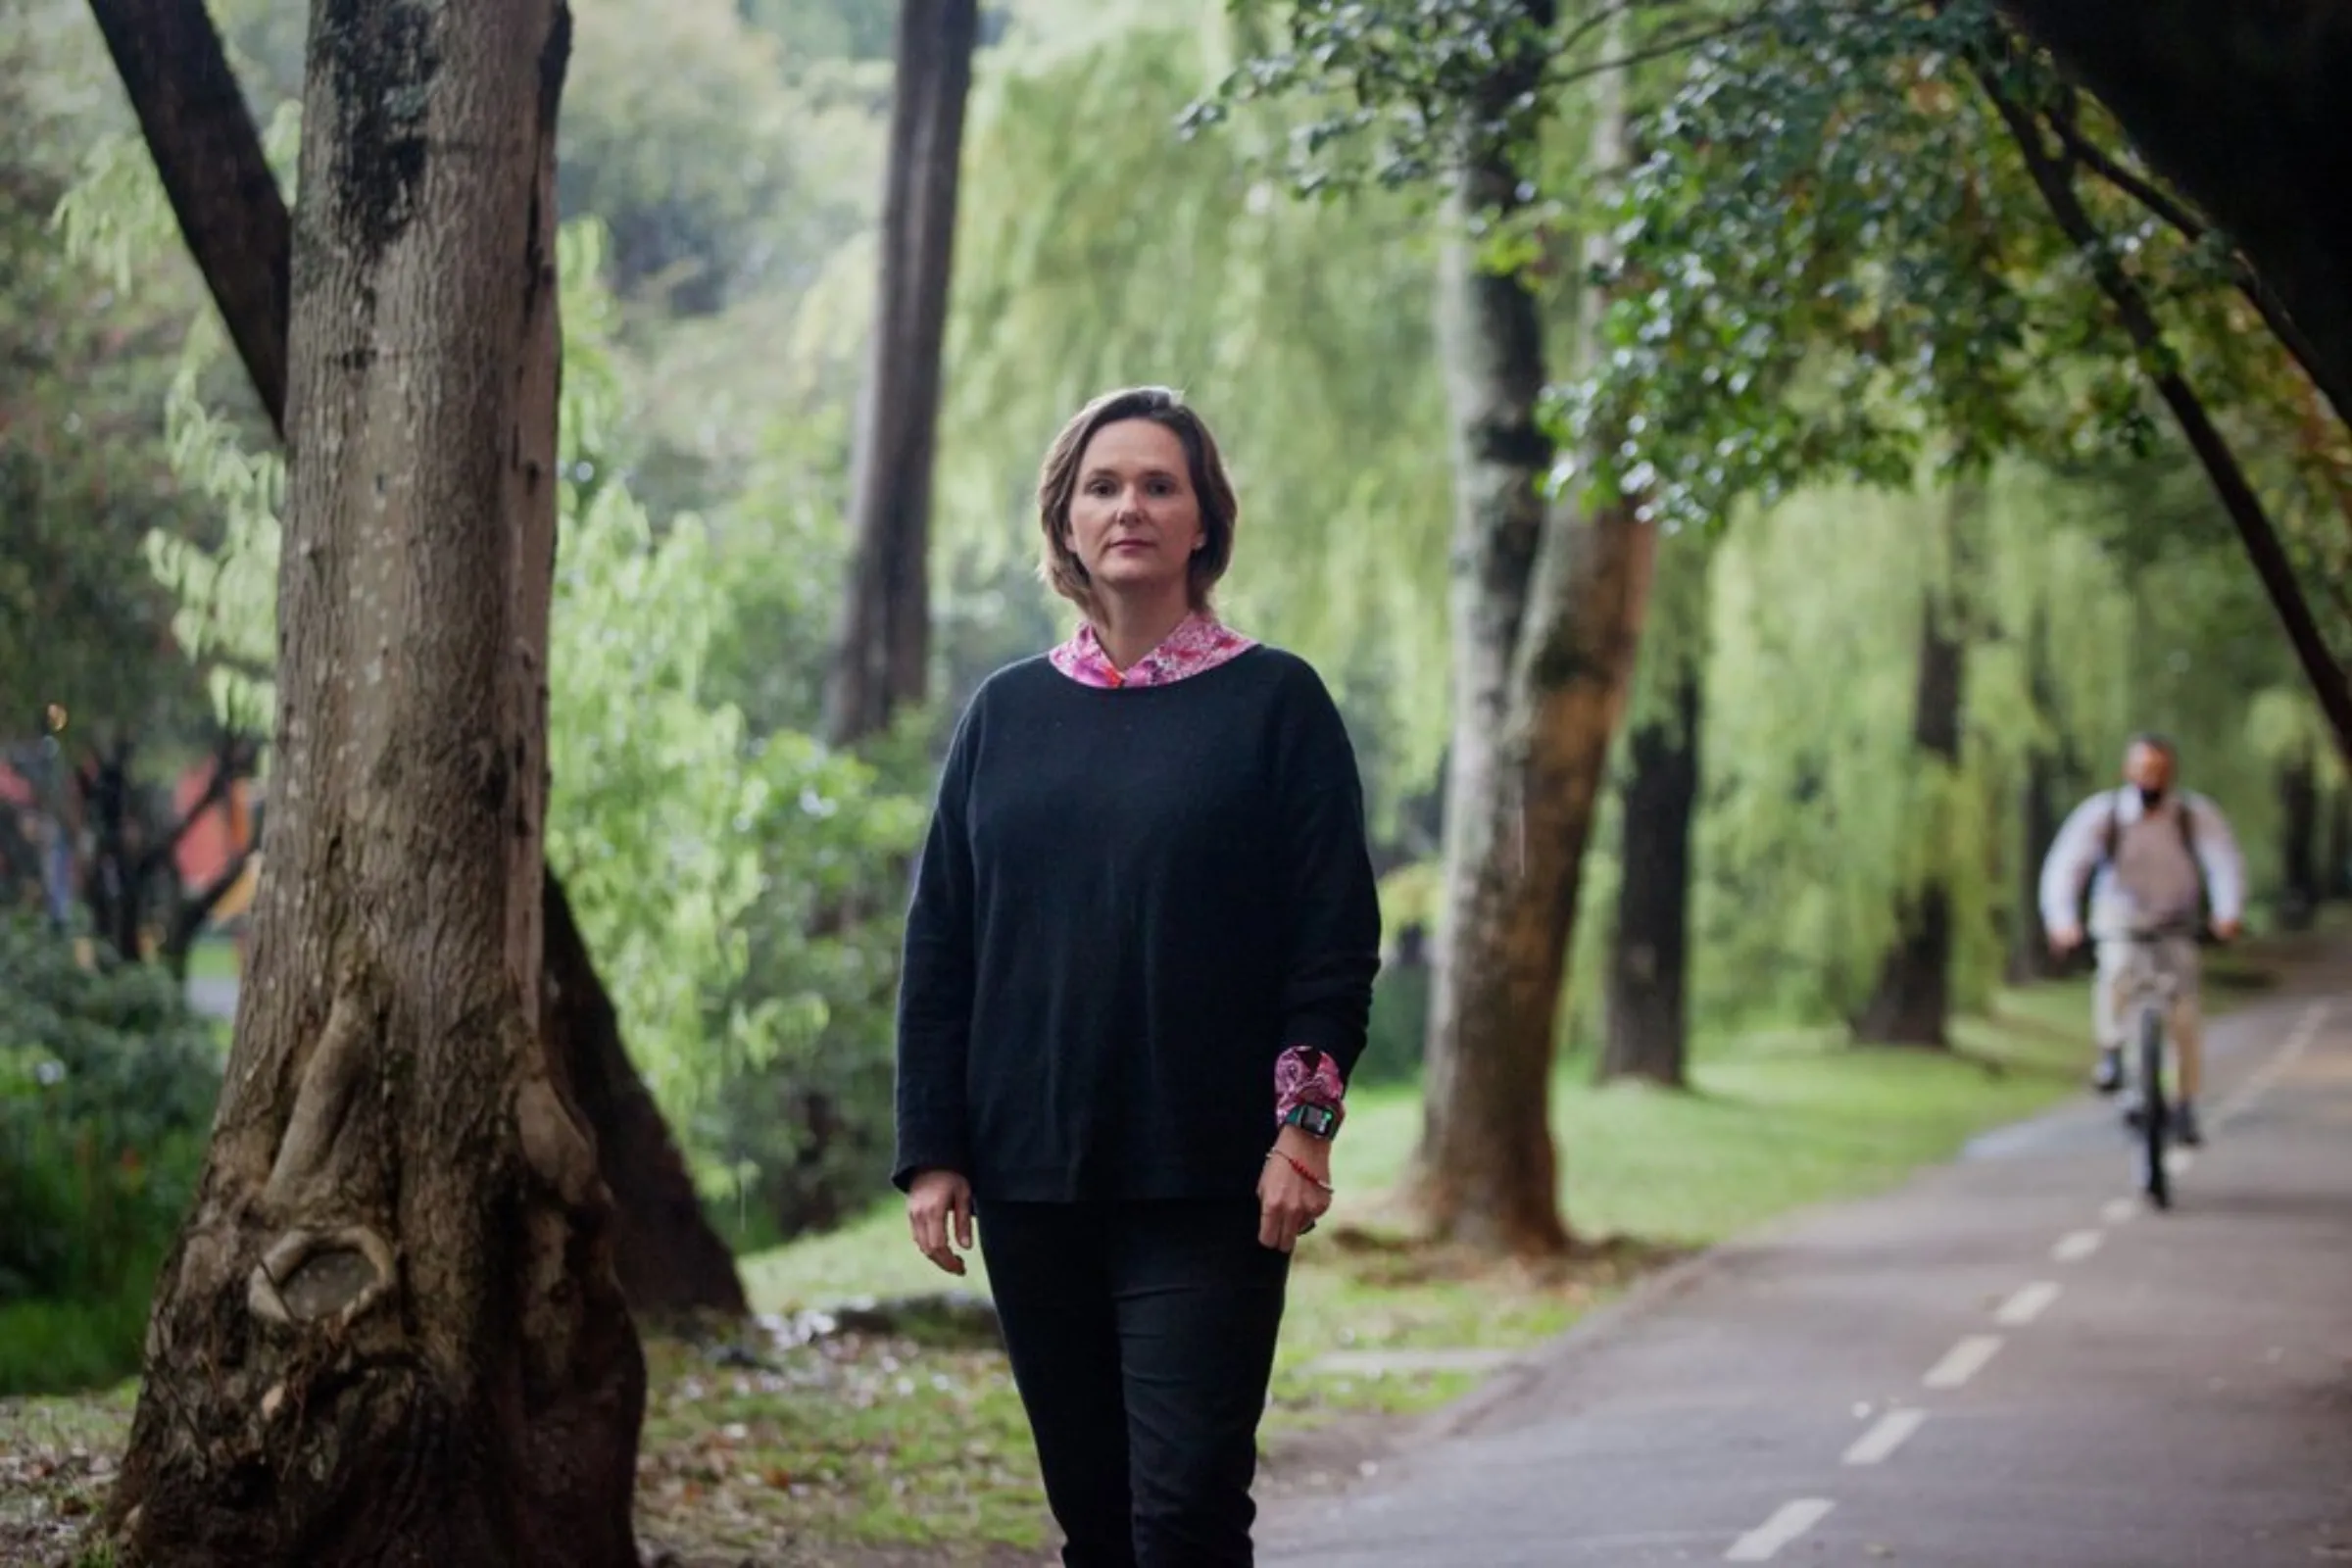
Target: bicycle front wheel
x,y
2155,1112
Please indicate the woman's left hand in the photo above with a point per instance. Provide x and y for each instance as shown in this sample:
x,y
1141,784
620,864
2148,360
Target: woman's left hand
x,y
1288,1202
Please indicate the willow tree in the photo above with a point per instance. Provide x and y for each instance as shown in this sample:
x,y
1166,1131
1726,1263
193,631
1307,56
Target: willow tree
x,y
1159,257
391,1326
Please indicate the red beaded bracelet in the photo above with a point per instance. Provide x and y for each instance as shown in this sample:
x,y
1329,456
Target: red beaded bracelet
x,y
1301,1167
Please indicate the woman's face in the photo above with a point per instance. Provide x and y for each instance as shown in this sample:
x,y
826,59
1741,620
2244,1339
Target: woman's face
x,y
1135,519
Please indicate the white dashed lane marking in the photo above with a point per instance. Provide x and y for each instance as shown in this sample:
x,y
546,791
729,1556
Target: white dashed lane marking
x,y
2076,1245
1890,1432
2028,1303
1963,1361
1767,1539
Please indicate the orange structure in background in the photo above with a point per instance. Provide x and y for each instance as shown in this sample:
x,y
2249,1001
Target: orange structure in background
x,y
214,839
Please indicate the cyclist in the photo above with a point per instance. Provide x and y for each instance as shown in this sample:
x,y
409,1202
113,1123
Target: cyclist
x,y
2152,854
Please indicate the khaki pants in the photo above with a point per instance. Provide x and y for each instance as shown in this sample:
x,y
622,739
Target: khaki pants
x,y
2187,1023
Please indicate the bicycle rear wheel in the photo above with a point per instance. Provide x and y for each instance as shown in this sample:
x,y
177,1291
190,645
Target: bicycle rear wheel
x,y
2155,1112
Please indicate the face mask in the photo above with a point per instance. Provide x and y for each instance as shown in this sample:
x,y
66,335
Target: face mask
x,y
2150,799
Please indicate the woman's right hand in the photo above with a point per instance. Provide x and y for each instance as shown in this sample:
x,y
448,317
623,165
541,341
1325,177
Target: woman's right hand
x,y
933,1199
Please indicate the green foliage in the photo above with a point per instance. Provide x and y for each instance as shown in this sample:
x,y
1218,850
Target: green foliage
x,y
681,133
106,1083
698,858
222,577
82,476
1300,331
1397,95
1834,267
850,30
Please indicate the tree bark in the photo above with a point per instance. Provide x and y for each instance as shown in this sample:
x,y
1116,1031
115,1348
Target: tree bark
x,y
2038,818
2039,821
1547,612
205,145
1912,1002
390,1330
2300,889
2335,879
882,660
1647,1034
2240,107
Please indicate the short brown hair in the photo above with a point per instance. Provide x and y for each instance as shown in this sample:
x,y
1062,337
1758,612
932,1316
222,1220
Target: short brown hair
x,y
1057,483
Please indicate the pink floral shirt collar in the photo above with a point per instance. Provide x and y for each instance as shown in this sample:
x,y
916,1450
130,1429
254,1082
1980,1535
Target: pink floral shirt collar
x,y
1198,644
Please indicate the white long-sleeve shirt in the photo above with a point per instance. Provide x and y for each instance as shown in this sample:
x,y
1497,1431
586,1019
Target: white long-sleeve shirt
x,y
2152,878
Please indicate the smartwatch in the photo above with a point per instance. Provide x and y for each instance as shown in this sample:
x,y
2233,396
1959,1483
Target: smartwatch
x,y
1316,1121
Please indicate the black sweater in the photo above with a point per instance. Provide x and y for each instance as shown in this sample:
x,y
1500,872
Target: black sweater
x,y
1130,902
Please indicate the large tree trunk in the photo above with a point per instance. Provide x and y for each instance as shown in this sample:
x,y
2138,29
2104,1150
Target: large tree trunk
x,y
1546,611
2242,107
390,1330
1912,1002
210,156
1648,1036
883,657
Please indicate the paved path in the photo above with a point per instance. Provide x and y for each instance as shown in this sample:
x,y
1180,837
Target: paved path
x,y
213,995
2006,1365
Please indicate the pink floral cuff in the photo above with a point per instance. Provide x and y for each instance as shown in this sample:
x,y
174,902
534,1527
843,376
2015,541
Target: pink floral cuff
x,y
1305,1076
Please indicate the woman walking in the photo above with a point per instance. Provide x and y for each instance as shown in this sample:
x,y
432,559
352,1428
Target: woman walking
x,y
1138,968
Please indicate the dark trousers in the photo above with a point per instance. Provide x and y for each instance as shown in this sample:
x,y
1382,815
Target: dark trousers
x,y
1141,1338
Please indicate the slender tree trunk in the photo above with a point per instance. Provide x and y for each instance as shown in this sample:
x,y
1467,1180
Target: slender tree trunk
x,y
1912,1002
220,185
2335,879
114,888
1546,611
2300,889
390,1330
882,660
2038,818
205,146
1649,952
2038,824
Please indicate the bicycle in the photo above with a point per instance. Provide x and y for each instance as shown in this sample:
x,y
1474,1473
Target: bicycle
x,y
2145,991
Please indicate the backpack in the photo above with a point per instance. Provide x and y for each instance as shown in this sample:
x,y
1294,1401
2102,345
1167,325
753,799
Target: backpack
x,y
2113,836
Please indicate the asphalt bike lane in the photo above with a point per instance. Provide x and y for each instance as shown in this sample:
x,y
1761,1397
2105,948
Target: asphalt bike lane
x,y
2008,1363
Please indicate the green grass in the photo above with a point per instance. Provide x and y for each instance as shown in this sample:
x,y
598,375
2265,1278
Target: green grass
x,y
212,959
79,1344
